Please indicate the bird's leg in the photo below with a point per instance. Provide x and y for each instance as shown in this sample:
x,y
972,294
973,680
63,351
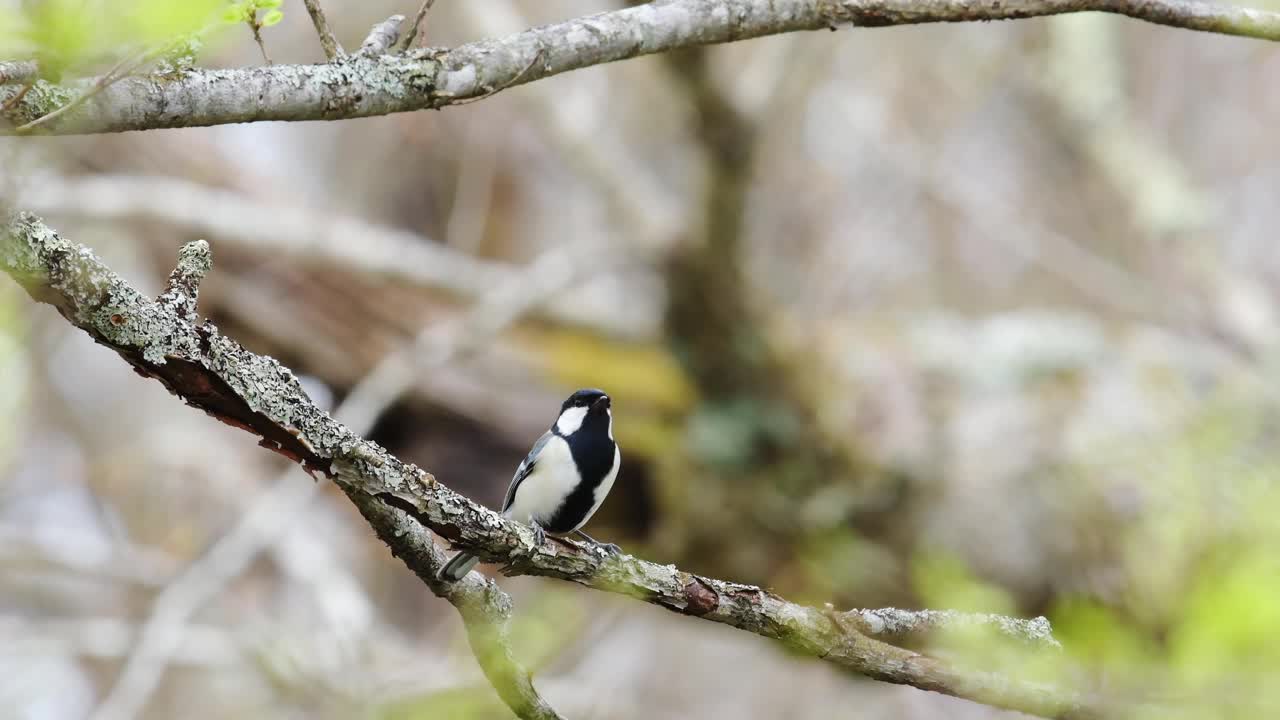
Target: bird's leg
x,y
539,535
607,547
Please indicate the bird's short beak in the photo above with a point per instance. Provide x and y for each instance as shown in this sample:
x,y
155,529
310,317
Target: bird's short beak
x,y
601,404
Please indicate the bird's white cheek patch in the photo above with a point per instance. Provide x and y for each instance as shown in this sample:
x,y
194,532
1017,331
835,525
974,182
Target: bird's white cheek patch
x,y
570,420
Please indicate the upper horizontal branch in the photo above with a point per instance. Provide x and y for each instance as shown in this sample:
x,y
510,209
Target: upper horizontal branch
x,y
214,373
359,86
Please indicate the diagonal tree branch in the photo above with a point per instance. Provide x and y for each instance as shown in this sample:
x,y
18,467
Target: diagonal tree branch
x,y
214,373
411,36
425,79
485,608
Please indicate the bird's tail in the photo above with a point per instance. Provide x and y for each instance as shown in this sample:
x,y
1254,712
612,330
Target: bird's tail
x,y
458,567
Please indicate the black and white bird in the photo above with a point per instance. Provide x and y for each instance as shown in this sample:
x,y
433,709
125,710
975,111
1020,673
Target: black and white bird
x,y
564,478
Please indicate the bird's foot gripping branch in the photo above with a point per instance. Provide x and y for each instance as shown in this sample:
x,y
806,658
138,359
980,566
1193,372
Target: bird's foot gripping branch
x,y
163,339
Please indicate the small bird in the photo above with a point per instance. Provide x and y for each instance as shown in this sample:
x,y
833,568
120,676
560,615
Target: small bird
x,y
563,479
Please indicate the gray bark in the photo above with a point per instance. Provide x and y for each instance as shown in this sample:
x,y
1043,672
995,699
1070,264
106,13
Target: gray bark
x,y
17,72
363,86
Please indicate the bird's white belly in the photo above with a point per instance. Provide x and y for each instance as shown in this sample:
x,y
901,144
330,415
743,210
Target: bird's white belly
x,y
540,494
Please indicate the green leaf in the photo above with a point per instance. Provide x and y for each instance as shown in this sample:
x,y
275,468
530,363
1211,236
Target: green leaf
x,y
150,21
268,4
235,13
272,17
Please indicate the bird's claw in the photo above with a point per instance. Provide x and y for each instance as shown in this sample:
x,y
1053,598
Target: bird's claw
x,y
609,548
539,535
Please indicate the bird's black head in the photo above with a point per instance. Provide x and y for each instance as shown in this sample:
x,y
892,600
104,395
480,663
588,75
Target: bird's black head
x,y
588,407
587,398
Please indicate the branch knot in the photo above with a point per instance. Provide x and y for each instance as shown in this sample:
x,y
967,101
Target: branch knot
x,y
382,37
182,290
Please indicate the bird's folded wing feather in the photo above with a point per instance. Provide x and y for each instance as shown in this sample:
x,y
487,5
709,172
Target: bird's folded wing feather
x,y
525,468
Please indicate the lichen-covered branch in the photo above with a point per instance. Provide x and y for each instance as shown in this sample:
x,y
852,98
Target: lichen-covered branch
x,y
362,86
485,608
214,373
895,624
270,518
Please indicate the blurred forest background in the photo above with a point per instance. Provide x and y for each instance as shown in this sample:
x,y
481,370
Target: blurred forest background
x,y
975,316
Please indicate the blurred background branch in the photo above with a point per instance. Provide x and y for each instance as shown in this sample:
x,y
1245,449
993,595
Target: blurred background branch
x,y
312,235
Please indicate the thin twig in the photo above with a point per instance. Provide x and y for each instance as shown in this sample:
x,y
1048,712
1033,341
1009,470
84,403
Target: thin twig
x,y
327,40
412,36
257,37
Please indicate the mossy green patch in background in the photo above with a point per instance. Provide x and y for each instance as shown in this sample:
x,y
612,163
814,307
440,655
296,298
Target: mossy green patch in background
x,y
1097,636
648,386
836,562
1191,611
943,581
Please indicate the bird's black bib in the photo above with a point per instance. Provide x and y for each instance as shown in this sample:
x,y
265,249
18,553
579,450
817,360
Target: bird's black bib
x,y
593,453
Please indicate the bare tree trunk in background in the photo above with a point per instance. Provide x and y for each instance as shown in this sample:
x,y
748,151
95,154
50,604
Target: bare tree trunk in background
x,y
717,325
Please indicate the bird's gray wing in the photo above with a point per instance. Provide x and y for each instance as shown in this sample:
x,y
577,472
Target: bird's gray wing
x,y
525,468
